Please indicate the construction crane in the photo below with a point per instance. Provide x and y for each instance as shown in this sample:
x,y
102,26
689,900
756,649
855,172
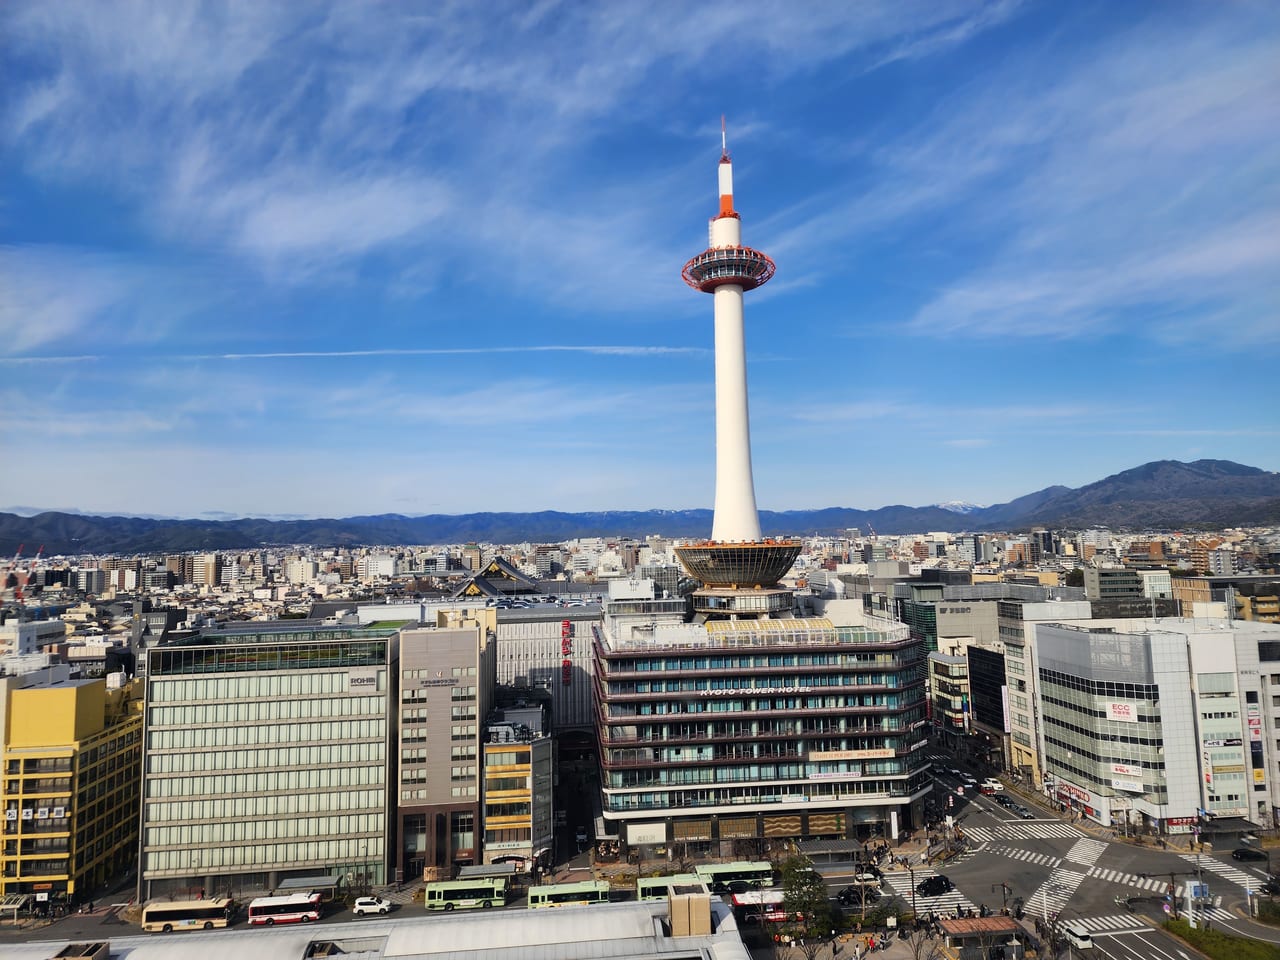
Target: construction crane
x,y
26,582
11,576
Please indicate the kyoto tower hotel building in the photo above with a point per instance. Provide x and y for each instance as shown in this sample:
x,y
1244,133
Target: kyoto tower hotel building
x,y
740,728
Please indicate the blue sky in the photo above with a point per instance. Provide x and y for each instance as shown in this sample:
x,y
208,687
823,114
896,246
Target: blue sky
x,y
324,260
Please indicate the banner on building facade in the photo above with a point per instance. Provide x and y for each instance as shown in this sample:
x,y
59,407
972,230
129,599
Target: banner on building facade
x,y
879,754
1122,711
641,833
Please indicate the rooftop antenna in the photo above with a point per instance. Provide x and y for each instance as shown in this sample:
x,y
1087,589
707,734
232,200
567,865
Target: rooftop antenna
x,y
724,148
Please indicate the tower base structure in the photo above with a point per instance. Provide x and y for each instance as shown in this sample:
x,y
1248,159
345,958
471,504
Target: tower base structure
x,y
740,580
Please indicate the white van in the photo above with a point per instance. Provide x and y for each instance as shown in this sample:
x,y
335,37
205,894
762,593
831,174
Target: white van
x,y
1077,936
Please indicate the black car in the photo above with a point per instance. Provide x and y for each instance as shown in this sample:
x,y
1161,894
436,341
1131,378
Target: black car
x,y
1272,887
1247,853
857,896
934,886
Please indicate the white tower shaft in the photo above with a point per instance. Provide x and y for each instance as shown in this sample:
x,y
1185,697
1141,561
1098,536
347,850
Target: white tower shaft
x,y
736,518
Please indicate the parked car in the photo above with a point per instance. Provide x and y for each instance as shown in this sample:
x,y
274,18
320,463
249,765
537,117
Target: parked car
x,y
367,905
934,886
1248,853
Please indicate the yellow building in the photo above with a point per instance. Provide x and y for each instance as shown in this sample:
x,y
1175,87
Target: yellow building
x,y
72,773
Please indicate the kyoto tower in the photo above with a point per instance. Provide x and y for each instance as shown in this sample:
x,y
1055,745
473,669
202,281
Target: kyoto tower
x,y
739,570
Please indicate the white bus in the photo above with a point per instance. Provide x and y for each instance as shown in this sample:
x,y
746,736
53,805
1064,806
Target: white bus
x,y
759,906
167,916
294,908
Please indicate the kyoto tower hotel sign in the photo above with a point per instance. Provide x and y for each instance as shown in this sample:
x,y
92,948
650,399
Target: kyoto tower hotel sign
x,y
739,569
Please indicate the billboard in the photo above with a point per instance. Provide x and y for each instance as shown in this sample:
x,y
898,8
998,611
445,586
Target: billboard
x,y
1122,711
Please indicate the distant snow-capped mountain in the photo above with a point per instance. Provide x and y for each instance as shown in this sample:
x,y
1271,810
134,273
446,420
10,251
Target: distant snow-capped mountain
x,y
959,506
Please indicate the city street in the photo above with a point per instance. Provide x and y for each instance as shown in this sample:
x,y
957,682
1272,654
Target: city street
x,y
1079,872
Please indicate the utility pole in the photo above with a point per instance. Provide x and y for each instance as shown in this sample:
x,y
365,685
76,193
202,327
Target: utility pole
x,y
1004,894
1173,884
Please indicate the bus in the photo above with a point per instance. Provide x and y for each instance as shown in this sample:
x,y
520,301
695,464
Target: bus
x,y
759,906
738,876
658,888
503,871
293,908
166,916
464,893
568,894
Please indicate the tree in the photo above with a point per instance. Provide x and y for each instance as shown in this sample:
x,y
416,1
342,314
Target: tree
x,y
804,897
1075,578
923,945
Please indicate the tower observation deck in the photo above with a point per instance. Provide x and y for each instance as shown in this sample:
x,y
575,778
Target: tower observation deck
x,y
737,558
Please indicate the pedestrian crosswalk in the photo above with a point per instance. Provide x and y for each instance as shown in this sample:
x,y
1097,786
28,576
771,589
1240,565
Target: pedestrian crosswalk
x,y
1114,924
1224,870
1026,856
1054,893
1086,852
946,903
1152,884
1024,830
1066,878
1214,914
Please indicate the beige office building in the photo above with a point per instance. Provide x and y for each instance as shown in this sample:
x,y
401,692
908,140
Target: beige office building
x,y
266,756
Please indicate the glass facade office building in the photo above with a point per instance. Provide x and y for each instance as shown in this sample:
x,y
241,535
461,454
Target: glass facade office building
x,y
265,756
747,730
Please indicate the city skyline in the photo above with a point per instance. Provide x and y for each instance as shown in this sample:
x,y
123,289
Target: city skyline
x,y
302,261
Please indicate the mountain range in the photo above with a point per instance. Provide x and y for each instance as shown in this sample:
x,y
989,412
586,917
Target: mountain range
x,y
1163,495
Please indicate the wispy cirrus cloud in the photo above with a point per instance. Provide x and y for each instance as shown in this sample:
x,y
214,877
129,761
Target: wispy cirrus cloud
x,y
601,350
308,139
1131,191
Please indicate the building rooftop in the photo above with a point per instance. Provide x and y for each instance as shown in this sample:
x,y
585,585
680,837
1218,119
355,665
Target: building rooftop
x,y
625,931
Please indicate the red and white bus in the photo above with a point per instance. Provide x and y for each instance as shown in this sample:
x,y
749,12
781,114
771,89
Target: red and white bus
x,y
295,908
759,906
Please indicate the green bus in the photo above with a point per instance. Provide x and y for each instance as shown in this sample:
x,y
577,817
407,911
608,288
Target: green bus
x,y
482,892
736,877
657,888
568,894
